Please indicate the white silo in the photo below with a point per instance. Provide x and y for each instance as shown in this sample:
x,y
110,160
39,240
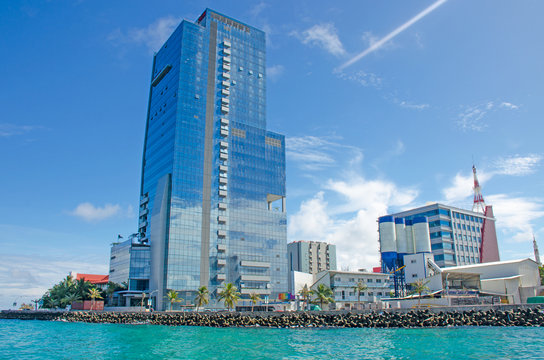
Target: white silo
x,y
409,234
387,234
421,235
402,244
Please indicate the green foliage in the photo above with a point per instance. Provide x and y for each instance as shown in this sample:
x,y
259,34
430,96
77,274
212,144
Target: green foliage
x,y
323,295
172,297
306,293
230,295
67,291
360,288
254,298
202,297
541,269
420,287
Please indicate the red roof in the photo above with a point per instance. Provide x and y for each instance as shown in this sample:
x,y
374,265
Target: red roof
x,y
94,278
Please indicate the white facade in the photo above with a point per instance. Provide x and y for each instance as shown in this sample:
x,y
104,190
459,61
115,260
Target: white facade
x,y
342,284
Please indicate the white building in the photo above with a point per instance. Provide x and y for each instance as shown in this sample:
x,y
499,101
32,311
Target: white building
x,y
342,284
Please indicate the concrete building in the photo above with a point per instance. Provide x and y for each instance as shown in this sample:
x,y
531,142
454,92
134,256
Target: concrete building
x,y
311,256
455,234
342,284
212,199
511,282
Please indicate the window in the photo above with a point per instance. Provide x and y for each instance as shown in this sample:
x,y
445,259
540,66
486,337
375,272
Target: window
x,y
413,261
378,280
369,280
414,275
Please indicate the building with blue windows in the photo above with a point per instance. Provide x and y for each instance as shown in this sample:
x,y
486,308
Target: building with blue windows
x,y
212,202
455,234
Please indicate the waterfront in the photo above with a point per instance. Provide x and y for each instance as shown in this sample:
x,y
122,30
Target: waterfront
x,y
59,340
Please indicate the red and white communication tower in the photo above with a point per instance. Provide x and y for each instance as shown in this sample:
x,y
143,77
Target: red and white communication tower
x,y
479,203
489,249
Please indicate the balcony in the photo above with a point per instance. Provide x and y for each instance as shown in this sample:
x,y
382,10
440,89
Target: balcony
x,y
225,110
142,224
247,291
259,264
227,44
226,51
221,277
144,200
226,67
223,180
225,83
221,233
226,59
224,144
223,193
221,247
222,219
225,92
224,132
144,212
221,262
223,156
222,206
226,75
224,121
255,278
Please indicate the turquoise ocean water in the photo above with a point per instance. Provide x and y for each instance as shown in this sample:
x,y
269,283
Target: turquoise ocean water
x,y
57,340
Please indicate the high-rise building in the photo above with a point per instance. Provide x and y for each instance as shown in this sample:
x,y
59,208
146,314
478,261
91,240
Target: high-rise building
x,y
311,256
455,234
213,178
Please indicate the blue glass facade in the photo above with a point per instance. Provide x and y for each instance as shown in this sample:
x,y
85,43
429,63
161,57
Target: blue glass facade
x,y
213,178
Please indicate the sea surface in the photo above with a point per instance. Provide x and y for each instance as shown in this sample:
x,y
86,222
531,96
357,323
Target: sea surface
x,y
58,340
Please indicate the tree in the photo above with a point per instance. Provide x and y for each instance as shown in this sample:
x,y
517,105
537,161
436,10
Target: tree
x,y
202,297
541,269
94,294
172,297
306,293
419,287
229,295
254,298
360,288
70,298
82,288
323,295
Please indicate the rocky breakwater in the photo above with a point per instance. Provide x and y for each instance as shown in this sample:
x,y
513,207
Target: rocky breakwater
x,y
531,316
412,319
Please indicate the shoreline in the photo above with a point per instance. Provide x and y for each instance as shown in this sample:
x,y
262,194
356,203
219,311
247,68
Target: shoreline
x,y
532,316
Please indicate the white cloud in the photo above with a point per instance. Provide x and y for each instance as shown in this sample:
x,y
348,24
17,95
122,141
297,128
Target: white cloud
x,y
256,10
517,165
345,210
152,36
89,212
24,278
362,78
377,44
274,72
409,105
324,36
509,105
7,130
318,153
472,118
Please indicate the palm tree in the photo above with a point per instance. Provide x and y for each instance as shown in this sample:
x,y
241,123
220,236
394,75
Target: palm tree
x,y
419,287
323,295
70,298
112,288
82,288
306,293
202,297
94,294
229,295
172,297
254,297
360,288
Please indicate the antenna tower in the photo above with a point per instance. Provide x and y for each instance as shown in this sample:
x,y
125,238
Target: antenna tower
x,y
479,203
537,255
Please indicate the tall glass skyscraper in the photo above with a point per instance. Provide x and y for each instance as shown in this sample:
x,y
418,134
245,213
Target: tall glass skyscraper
x,y
212,201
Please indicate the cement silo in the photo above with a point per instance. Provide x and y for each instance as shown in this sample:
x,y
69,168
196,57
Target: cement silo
x,y
388,243
402,244
409,234
421,234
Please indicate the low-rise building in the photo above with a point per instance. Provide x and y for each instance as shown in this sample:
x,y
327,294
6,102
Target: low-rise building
x,y
343,283
100,281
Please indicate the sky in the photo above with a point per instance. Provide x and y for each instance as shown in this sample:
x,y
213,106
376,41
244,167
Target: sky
x,y
385,106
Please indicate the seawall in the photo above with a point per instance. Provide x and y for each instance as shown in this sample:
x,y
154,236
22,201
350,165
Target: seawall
x,y
513,316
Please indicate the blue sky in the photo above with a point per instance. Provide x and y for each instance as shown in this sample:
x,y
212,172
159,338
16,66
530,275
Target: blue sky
x,y
440,84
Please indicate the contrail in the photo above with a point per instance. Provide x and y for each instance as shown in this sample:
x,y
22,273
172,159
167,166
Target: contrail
x,y
378,44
